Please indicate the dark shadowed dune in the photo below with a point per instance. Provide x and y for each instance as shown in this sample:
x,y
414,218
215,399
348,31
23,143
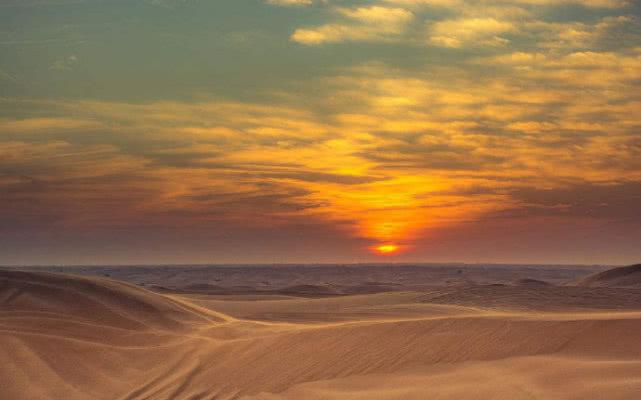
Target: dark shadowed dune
x,y
308,290
531,282
624,277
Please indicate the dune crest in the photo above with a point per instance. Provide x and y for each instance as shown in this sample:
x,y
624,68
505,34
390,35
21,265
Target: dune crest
x,y
625,277
94,300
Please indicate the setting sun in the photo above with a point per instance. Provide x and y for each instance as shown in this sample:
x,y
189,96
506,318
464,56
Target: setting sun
x,y
387,249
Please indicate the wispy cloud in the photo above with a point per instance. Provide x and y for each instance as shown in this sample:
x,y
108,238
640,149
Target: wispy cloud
x,y
479,31
363,24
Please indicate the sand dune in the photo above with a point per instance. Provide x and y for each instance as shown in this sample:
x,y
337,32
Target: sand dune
x,y
93,300
68,337
627,277
537,298
344,279
521,378
530,282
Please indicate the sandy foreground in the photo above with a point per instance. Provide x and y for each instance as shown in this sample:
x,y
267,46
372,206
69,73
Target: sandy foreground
x,y
70,336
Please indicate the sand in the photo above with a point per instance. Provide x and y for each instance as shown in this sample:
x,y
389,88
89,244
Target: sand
x,y
629,277
66,336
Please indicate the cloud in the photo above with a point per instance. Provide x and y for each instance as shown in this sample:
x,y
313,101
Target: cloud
x,y
467,23
364,24
42,125
610,201
577,69
395,154
575,35
470,31
485,3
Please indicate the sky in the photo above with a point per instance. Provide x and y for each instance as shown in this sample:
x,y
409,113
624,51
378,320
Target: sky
x,y
320,131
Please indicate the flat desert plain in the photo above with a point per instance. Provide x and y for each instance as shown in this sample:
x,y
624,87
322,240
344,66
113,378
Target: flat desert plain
x,y
321,332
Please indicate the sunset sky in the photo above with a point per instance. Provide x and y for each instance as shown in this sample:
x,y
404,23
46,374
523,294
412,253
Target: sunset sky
x,y
276,131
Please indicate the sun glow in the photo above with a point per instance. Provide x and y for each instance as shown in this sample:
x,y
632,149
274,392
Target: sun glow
x,y
387,249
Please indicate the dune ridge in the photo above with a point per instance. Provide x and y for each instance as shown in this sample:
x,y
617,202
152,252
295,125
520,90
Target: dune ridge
x,y
98,300
624,277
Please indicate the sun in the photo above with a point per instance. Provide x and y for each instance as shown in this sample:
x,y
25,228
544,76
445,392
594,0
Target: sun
x,y
386,249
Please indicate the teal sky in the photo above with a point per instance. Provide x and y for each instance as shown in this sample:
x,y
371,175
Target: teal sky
x,y
318,130
157,50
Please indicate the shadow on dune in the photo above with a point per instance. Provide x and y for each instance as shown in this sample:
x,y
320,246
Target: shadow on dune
x,y
626,277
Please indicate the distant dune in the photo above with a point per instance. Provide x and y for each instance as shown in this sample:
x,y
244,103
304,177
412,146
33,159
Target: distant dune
x,y
626,277
531,282
345,279
80,338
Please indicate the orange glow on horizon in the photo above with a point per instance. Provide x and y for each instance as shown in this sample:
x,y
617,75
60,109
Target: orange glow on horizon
x,y
387,249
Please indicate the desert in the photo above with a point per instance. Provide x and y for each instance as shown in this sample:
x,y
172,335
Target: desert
x,y
455,332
